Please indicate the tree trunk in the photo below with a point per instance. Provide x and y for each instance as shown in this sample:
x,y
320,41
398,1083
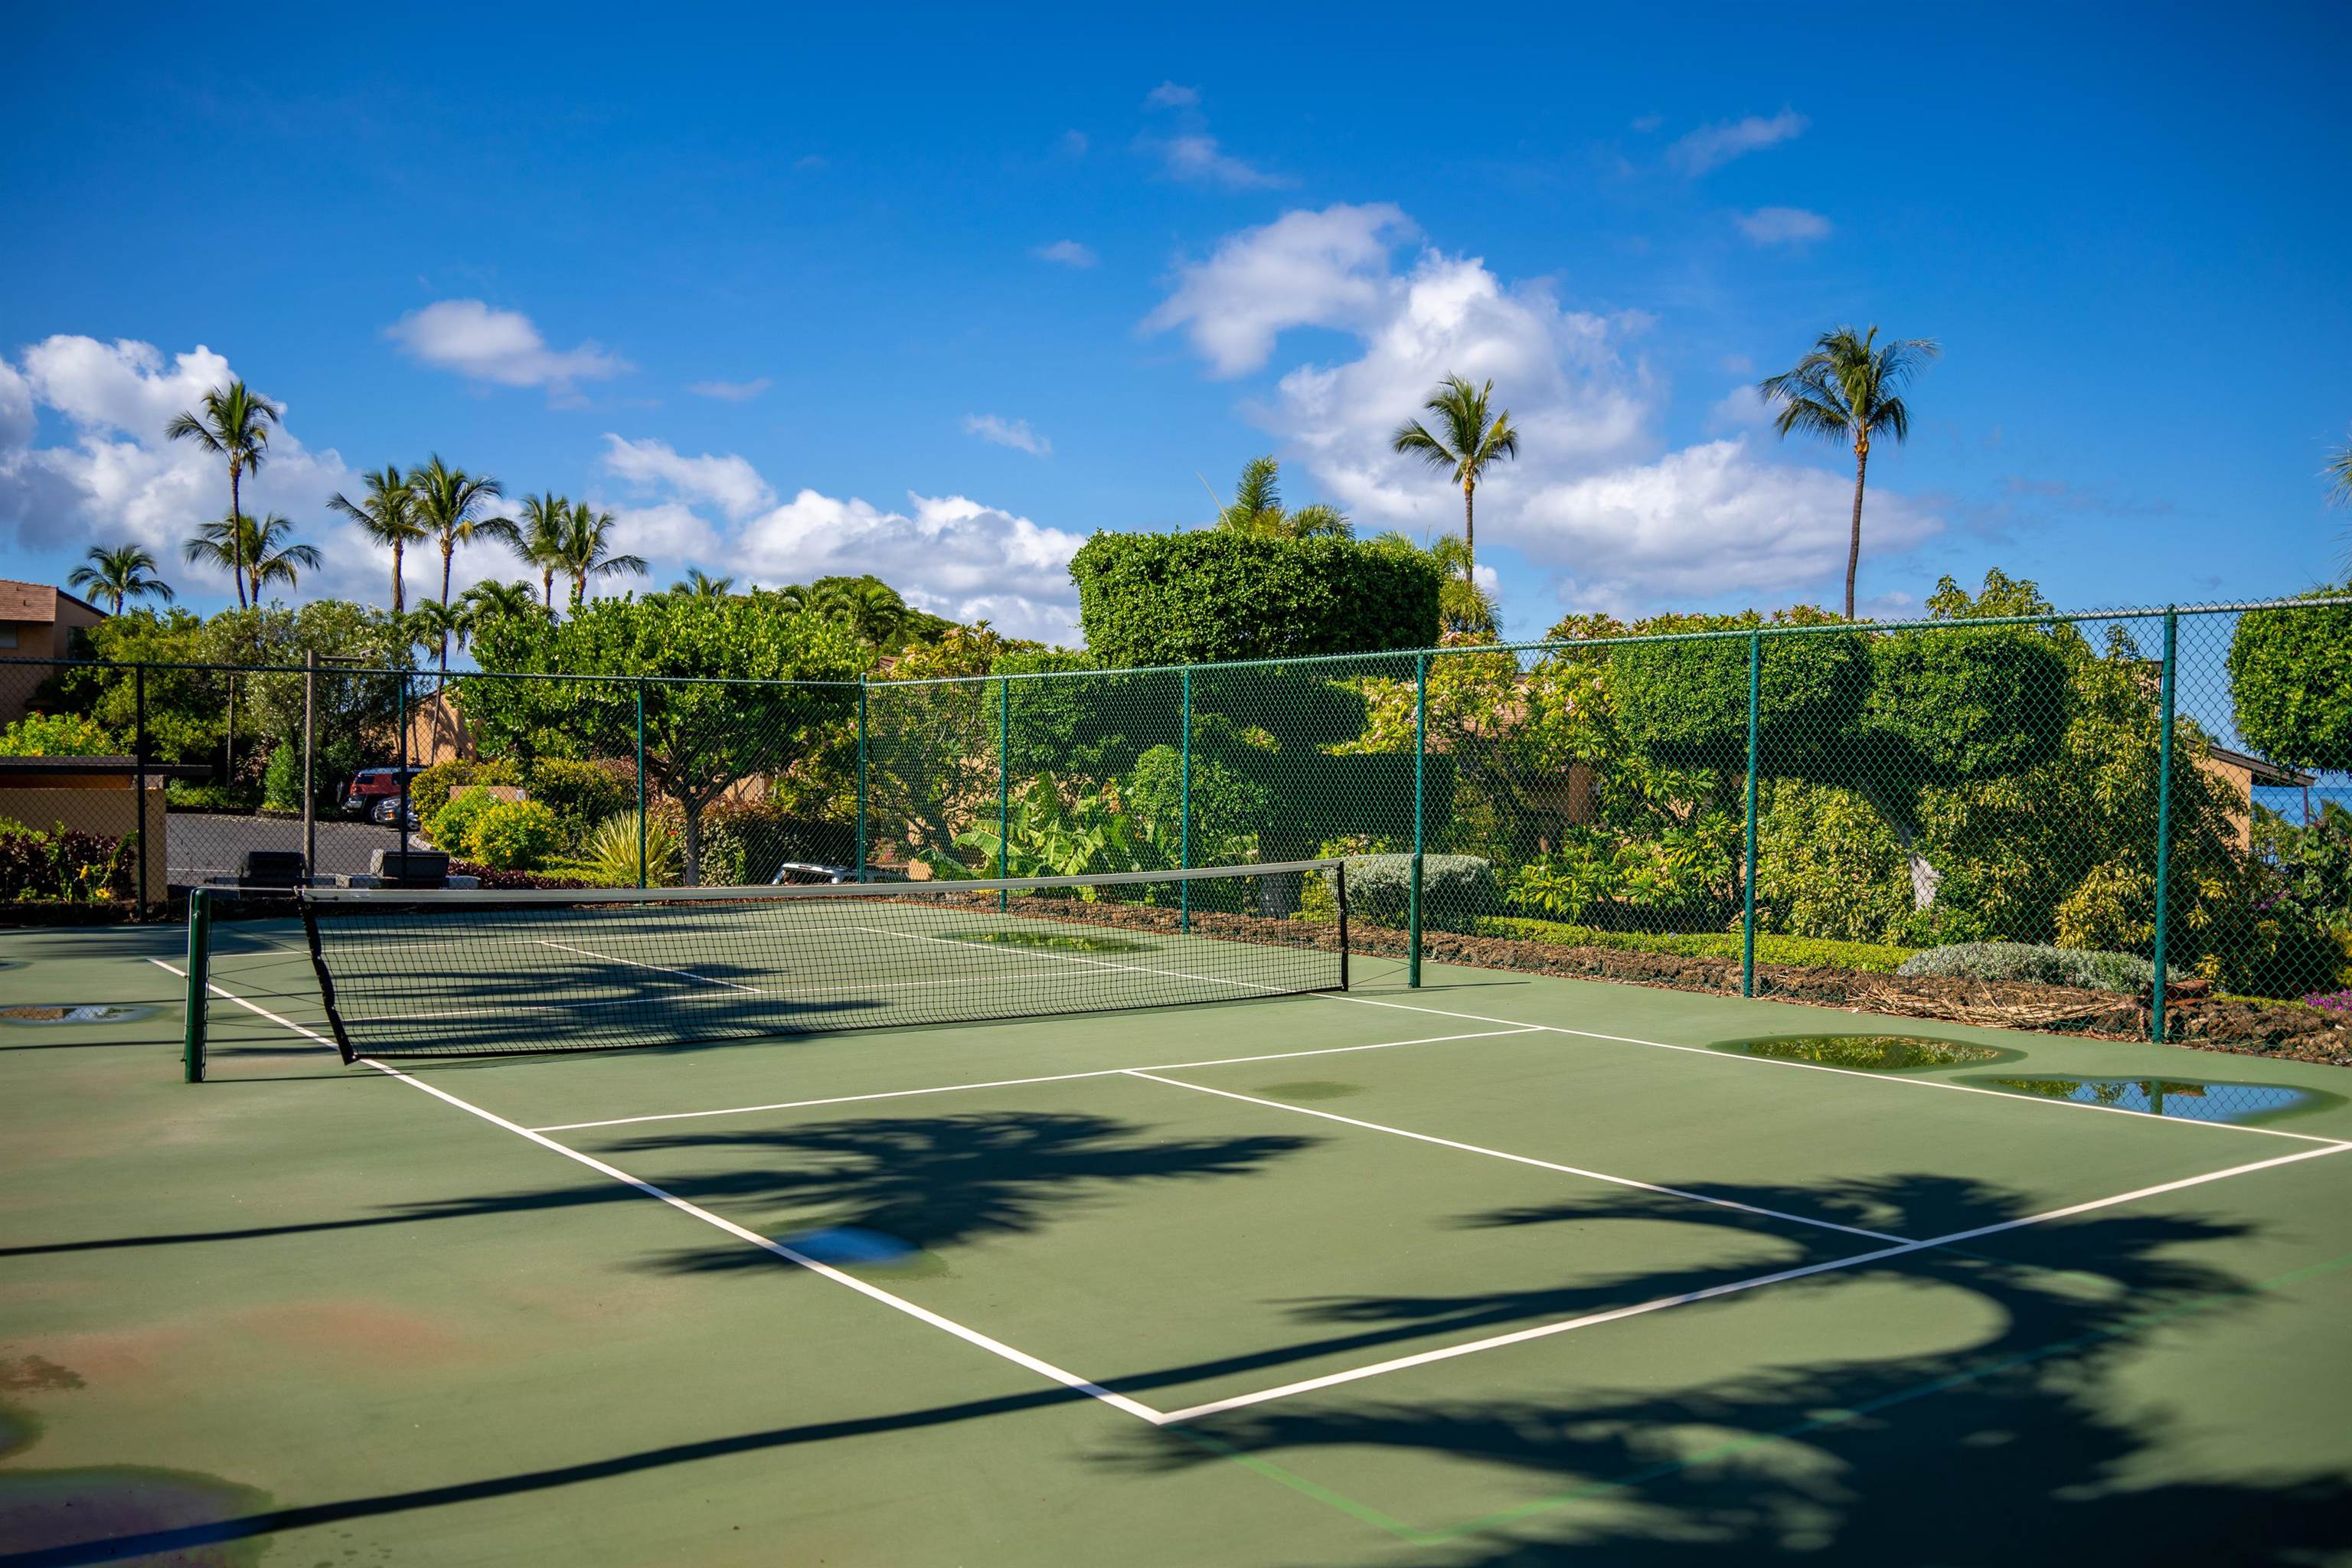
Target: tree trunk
x,y
1925,877
395,577
236,533
449,548
1469,536
547,585
691,842
1853,546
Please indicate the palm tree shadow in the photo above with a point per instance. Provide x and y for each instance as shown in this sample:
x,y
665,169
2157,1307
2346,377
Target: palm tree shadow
x,y
2025,1443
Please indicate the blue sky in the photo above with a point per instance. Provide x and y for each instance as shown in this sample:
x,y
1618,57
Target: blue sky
x,y
936,294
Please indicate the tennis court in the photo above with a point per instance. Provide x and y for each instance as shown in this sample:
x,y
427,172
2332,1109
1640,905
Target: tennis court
x,y
1499,1270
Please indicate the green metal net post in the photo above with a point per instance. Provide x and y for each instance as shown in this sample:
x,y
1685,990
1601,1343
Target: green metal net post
x,y
861,778
1420,790
1747,919
2166,701
138,765
200,940
641,780
1184,806
1004,788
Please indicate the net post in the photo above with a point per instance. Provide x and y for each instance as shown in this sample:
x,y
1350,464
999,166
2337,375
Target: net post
x,y
861,775
1003,789
1184,806
200,938
1420,786
641,780
1747,917
2164,702
1340,887
138,771
310,763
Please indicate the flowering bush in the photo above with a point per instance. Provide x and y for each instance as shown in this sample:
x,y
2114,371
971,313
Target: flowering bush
x,y
63,864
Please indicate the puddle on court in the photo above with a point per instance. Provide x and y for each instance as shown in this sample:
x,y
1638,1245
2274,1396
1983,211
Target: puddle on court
x,y
855,1250
1872,1053
2185,1099
1309,1088
74,1013
63,1507
1053,941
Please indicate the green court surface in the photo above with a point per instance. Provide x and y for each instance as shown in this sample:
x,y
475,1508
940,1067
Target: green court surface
x,y
1503,1269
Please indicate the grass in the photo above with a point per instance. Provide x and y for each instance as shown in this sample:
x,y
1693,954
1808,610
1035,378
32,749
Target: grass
x,y
1869,957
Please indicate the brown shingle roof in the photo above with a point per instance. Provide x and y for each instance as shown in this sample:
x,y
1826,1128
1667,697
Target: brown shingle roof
x,y
27,601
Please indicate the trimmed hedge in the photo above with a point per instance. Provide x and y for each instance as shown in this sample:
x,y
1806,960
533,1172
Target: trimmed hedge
x,y
1194,598
1806,951
2035,963
2291,684
1457,891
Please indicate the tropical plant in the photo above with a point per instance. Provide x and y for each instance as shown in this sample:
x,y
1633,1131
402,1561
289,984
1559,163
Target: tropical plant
x,y
388,516
439,626
699,584
272,556
449,504
540,529
1464,607
492,598
587,550
234,423
1848,389
1471,436
1047,837
113,577
610,856
57,735
1258,508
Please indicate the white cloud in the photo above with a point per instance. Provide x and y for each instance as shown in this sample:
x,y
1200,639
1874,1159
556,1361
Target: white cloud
x,y
1012,433
1169,95
1712,146
1195,157
15,412
1326,268
1782,225
671,530
730,483
731,391
500,346
1741,408
1068,252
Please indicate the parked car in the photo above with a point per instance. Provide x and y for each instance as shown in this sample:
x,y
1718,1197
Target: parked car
x,y
807,871
387,808
370,787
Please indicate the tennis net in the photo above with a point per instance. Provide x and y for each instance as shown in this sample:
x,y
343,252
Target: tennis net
x,y
464,973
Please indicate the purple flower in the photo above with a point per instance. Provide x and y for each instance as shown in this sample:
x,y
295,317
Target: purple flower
x,y
2332,1002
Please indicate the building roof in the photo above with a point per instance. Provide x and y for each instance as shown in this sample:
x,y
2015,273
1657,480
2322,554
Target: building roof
x,y
35,601
2264,770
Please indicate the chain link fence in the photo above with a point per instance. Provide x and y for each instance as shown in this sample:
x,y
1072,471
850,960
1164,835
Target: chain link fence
x,y
2036,799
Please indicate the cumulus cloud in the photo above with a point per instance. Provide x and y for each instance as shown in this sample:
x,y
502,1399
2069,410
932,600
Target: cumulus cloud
x,y
498,346
1169,95
1012,433
1195,157
1712,146
731,391
1593,501
1782,225
1067,252
1326,268
728,483
1741,408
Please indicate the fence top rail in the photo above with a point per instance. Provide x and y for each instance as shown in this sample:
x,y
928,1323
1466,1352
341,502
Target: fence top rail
x,y
414,672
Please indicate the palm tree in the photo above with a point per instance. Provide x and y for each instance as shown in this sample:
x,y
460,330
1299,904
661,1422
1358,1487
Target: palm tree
x,y
1257,509
485,600
388,516
449,503
2338,471
872,609
700,585
271,556
235,425
1847,389
1462,606
544,519
436,624
587,550
1473,436
114,577
221,544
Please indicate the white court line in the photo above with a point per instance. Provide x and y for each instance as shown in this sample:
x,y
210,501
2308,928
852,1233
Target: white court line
x,y
1520,1159
1046,1369
1543,1331
1016,1082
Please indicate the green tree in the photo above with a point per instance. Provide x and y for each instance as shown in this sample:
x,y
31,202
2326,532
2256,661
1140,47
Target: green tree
x,y
449,503
1463,608
701,585
439,626
2290,680
701,737
1257,509
1847,390
1217,594
487,599
587,552
1471,435
234,423
388,516
545,518
114,576
271,555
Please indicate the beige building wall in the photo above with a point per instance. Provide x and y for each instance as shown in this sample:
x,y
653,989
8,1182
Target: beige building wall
x,y
93,804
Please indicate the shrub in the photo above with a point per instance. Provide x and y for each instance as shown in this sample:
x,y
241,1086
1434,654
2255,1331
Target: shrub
x,y
449,826
57,735
1185,598
582,795
281,778
2291,682
63,864
513,836
1868,957
430,790
185,794
1457,891
2033,963
608,858
745,844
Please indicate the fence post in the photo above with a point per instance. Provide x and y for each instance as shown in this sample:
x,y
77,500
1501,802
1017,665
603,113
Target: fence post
x,y
310,766
2163,822
1419,785
861,776
200,948
1747,921
1004,788
1184,807
641,780
400,811
139,769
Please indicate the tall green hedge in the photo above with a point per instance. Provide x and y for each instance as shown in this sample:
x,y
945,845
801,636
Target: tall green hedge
x,y
1191,598
2291,678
